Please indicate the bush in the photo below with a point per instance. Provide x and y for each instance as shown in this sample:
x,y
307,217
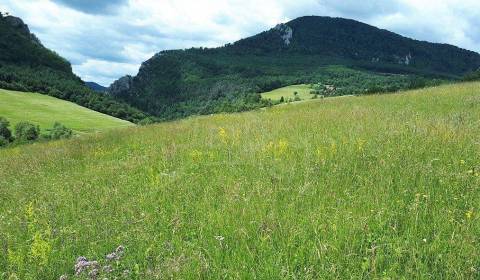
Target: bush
x,y
59,131
5,132
25,131
3,142
146,121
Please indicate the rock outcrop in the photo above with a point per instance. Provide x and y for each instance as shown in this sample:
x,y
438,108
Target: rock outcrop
x,y
120,86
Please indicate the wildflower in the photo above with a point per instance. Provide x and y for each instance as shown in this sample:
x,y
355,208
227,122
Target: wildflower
x,y
219,238
333,148
424,240
63,277
196,155
117,254
462,162
282,147
83,264
40,249
107,269
469,214
93,274
222,134
361,144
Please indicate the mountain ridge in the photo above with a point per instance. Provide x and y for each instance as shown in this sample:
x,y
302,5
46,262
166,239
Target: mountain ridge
x,y
178,83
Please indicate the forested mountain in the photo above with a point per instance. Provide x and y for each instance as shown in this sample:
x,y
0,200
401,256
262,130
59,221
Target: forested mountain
x,y
95,87
26,65
353,56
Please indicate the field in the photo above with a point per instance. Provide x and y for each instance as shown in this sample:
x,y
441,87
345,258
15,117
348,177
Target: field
x,y
372,187
288,93
44,110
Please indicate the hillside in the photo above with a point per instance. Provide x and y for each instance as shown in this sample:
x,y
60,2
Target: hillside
x,y
45,110
95,87
26,65
342,52
370,187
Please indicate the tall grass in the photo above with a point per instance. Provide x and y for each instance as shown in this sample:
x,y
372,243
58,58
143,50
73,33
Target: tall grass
x,y
382,187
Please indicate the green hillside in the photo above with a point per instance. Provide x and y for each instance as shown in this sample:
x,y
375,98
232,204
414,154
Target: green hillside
x,y
26,65
370,187
45,111
308,50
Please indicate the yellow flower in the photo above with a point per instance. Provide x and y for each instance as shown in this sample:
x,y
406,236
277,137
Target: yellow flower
x,y
196,155
222,134
282,147
469,214
333,148
40,249
361,144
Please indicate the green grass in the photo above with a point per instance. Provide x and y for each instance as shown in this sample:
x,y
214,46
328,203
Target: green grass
x,y
372,187
44,111
288,93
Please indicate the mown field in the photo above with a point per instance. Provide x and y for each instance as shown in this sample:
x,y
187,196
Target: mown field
x,y
373,187
303,92
44,111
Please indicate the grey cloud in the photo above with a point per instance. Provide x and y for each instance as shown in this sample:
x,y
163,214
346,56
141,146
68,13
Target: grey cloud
x,y
93,6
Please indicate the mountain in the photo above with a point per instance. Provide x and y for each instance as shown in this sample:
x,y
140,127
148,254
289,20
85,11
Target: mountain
x,y
310,49
26,65
95,87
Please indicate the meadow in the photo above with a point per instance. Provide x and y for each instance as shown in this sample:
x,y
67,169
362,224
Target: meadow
x,y
45,110
370,187
303,92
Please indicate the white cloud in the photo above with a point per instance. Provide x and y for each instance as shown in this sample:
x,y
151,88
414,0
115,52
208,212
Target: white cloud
x,y
104,43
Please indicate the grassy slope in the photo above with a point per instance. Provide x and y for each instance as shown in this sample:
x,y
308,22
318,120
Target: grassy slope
x,y
355,187
45,110
287,92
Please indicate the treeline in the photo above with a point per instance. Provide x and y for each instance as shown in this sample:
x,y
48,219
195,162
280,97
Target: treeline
x,y
176,84
26,132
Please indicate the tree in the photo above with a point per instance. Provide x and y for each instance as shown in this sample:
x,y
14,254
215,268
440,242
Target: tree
x,y
59,131
282,99
5,132
25,131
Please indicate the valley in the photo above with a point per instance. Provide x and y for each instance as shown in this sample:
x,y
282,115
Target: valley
x,y
317,148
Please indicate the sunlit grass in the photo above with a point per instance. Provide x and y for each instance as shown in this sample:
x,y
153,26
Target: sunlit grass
x,y
45,110
381,186
303,92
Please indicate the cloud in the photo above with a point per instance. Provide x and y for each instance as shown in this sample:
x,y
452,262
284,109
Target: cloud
x,y
107,39
93,6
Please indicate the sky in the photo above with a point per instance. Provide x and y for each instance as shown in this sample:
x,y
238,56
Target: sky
x,y
107,39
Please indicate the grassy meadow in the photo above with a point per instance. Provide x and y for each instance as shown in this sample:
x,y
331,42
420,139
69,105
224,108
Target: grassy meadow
x,y
45,110
287,92
373,187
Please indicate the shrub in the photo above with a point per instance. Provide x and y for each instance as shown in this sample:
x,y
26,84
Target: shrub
x,y
282,99
25,131
3,142
297,98
59,131
5,132
146,121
